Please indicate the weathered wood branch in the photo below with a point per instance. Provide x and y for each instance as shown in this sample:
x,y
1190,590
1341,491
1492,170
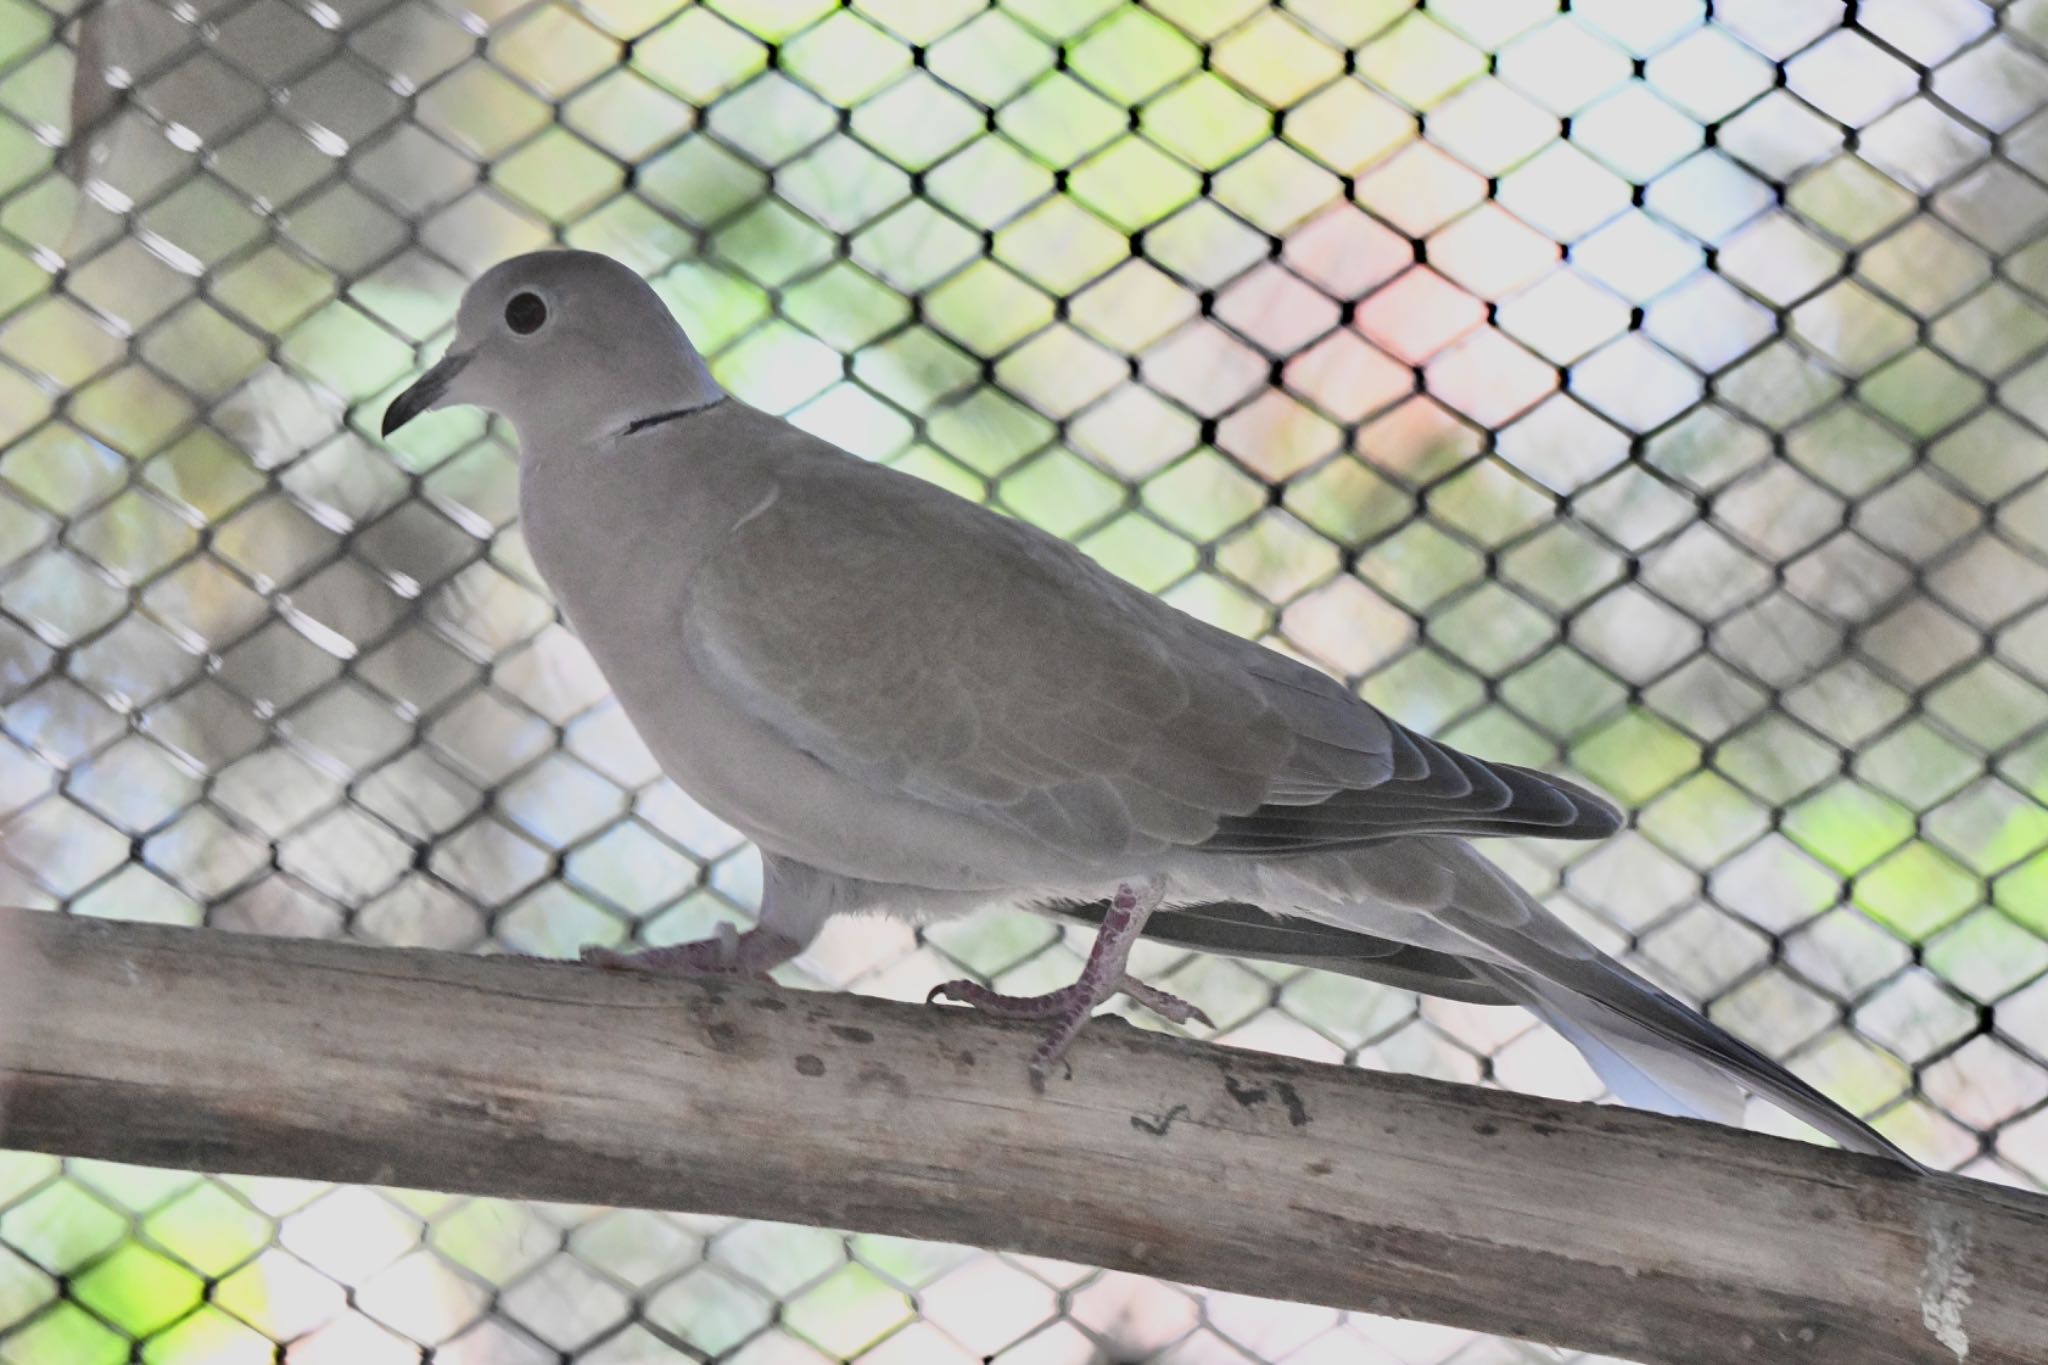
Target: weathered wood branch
x,y
1589,1227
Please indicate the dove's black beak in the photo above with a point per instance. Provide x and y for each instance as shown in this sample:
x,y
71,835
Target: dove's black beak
x,y
425,392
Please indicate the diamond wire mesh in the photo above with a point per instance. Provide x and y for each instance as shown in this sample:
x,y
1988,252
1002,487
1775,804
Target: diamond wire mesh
x,y
1649,391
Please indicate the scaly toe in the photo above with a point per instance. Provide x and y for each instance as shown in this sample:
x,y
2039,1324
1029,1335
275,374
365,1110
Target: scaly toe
x,y
996,1005
1068,1009
1059,1039
1169,1007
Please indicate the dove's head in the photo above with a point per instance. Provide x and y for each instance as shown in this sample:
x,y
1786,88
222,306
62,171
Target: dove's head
x,y
570,345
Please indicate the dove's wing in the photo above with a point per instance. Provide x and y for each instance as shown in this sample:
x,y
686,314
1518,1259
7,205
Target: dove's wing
x,y
927,648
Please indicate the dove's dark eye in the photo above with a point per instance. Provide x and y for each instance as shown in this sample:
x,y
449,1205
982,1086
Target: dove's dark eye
x,y
525,313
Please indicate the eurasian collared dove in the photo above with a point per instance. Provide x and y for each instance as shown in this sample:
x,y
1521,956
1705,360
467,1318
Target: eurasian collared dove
x,y
914,705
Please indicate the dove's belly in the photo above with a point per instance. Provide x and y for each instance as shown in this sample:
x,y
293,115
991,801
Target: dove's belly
x,y
793,805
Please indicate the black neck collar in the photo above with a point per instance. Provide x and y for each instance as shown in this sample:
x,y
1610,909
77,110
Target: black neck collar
x,y
642,423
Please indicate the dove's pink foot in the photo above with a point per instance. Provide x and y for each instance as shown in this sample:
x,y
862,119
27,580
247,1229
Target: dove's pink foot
x,y
1071,1006
729,953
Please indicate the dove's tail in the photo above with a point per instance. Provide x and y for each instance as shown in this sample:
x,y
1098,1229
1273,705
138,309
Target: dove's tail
x,y
1470,932
1656,1054
1651,1049
1640,1073
1490,941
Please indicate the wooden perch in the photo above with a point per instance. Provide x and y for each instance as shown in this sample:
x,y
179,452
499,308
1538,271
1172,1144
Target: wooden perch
x,y
1587,1227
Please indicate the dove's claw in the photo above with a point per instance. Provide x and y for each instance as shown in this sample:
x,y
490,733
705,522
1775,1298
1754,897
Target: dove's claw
x,y
1070,1006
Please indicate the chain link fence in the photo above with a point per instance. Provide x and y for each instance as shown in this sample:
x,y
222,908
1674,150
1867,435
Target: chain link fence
x,y
1645,388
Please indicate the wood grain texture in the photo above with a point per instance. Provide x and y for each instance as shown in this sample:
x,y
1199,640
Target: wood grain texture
x,y
1598,1228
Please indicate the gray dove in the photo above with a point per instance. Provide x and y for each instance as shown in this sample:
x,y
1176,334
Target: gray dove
x,y
916,706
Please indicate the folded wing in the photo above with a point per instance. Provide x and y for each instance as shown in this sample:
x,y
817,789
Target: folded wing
x,y
928,648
